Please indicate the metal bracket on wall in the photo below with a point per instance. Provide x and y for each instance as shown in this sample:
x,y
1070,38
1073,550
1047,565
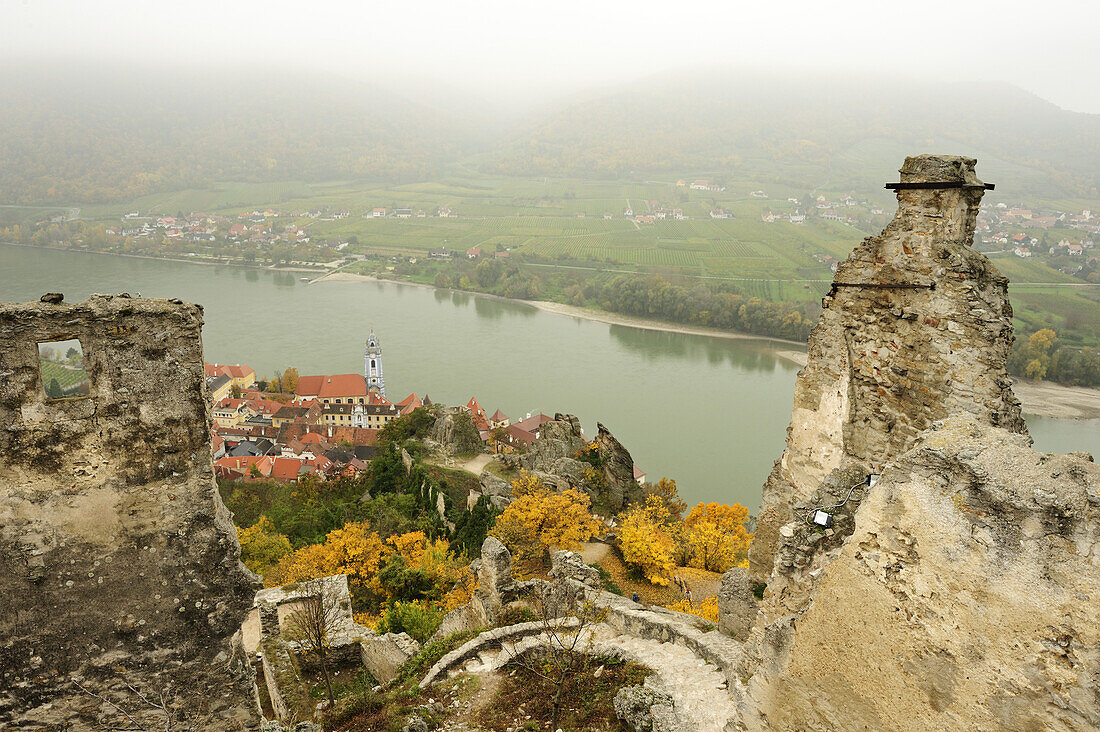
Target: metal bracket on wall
x,y
934,185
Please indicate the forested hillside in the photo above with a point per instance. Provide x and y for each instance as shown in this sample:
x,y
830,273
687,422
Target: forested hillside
x,y
74,135
100,135
836,132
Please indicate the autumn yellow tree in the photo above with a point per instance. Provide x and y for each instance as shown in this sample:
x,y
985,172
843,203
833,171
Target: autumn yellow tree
x,y
535,522
717,536
666,490
646,541
526,483
428,569
353,550
262,546
289,379
1040,346
707,608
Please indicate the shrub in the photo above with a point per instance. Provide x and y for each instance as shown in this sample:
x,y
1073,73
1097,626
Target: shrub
x,y
419,620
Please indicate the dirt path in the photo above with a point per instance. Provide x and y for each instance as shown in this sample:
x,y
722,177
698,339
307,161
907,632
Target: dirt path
x,y
593,551
477,465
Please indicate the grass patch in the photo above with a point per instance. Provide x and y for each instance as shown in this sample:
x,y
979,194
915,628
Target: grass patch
x,y
525,701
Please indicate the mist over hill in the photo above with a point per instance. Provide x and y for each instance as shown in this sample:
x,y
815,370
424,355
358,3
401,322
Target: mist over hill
x,y
841,133
103,134
106,134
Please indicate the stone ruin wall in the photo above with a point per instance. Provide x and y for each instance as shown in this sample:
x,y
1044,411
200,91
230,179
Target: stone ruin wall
x,y
885,362
119,565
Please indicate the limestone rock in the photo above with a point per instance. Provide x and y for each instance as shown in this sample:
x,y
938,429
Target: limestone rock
x,y
384,655
633,705
454,431
553,457
570,565
492,485
917,327
966,597
494,577
415,723
119,565
736,603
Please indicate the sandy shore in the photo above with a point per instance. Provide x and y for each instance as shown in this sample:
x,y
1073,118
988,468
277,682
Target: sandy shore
x,y
1041,400
645,324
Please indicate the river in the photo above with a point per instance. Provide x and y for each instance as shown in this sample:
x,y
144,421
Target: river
x,y
710,412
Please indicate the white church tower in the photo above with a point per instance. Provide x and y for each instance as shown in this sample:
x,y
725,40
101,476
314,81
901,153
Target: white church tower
x,y
372,365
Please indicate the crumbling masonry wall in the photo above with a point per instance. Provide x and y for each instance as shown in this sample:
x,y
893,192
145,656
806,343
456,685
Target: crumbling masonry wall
x,y
917,327
120,580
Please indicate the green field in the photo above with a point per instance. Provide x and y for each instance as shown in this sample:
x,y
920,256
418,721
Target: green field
x,y
559,226
67,378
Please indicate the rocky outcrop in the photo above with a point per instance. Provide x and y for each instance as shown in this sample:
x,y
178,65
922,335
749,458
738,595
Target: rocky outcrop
x,y
634,705
607,475
120,575
384,655
736,604
917,327
570,565
494,578
455,432
965,597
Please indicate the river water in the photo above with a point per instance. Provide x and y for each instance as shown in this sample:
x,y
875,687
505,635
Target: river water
x,y
710,412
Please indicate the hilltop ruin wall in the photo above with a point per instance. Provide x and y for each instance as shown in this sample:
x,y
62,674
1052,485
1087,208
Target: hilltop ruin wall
x,y
120,576
917,327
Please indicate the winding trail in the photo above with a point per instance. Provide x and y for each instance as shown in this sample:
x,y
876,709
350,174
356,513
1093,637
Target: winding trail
x,y
699,690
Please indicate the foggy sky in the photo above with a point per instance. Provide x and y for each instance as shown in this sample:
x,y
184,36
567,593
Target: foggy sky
x,y
529,52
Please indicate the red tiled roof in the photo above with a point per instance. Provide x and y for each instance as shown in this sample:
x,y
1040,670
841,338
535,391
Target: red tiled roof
x,y
285,468
221,369
474,406
410,399
533,423
312,438
518,434
265,406
355,435
335,385
498,416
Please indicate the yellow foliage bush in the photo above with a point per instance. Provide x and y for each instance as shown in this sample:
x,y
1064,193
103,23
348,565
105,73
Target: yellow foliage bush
x,y
535,522
706,609
262,547
716,536
353,550
645,542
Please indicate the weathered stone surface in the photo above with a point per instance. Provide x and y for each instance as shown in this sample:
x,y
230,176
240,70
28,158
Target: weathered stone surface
x,y
118,562
633,703
570,565
383,655
736,604
494,577
415,723
553,458
885,362
966,597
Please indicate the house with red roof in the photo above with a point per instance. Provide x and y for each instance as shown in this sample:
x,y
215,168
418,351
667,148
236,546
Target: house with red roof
x,y
498,420
242,376
333,389
481,420
408,404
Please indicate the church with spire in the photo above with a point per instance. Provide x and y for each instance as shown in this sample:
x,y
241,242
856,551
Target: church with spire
x,y
372,366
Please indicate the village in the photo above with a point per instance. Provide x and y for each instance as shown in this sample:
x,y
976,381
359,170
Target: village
x,y
326,426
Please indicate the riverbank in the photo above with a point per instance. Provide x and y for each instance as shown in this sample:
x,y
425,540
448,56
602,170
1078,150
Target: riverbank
x,y
1042,399
596,316
186,260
